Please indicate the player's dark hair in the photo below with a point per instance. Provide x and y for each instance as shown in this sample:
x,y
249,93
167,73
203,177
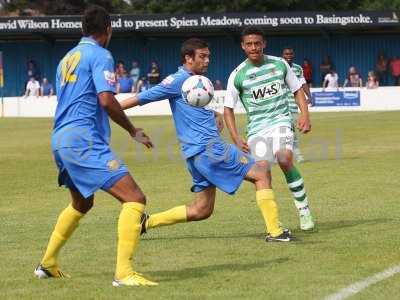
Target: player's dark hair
x,y
95,20
287,47
252,30
190,46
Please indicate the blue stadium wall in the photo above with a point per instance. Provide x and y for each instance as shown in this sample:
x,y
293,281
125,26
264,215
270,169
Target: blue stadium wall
x,y
345,50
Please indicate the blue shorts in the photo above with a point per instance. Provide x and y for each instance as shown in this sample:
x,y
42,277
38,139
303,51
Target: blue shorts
x,y
88,170
221,165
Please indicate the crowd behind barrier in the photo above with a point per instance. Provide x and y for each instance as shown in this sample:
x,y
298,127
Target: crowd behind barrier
x,y
385,72
384,98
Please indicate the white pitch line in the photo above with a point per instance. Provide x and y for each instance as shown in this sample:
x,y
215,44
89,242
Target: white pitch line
x,y
363,284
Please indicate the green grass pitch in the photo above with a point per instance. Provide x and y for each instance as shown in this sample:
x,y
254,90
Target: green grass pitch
x,y
353,184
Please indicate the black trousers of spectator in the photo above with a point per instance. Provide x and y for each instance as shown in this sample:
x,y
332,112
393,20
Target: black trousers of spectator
x,y
382,78
396,80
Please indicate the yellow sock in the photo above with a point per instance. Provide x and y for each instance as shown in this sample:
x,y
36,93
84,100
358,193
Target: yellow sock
x,y
128,237
269,209
169,217
67,222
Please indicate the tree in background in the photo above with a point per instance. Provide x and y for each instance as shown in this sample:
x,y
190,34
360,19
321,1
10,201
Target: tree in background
x,y
66,7
380,5
191,6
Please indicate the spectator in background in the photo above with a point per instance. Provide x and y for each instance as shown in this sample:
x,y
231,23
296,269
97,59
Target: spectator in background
x,y
134,73
381,69
32,87
325,67
154,74
47,88
372,81
142,85
331,80
218,86
307,72
395,69
353,78
32,70
124,83
119,69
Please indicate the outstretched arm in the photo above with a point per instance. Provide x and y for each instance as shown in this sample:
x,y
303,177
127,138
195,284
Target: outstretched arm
x,y
165,90
129,102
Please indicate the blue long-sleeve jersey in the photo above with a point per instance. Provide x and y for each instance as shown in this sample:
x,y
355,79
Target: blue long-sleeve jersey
x,y
195,126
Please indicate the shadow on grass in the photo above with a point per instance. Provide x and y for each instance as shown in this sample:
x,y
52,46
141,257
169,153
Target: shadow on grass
x,y
205,271
334,225
150,237
299,235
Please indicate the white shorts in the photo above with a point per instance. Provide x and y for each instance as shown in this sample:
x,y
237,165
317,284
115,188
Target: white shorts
x,y
266,144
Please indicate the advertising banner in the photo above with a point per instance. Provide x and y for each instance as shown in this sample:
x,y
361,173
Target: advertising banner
x,y
193,22
336,98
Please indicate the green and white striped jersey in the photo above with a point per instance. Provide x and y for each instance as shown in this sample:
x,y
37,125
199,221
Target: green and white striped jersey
x,y
263,91
298,71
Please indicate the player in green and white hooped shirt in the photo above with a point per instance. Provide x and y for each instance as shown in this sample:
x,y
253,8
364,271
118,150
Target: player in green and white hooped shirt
x,y
261,83
288,55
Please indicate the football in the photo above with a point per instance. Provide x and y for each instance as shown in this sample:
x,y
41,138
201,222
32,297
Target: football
x,y
198,90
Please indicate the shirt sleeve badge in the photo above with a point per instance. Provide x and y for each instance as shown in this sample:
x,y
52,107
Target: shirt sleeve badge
x,y
168,80
110,77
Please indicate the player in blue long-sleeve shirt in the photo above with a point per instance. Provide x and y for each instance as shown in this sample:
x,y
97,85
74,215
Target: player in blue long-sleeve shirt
x,y
211,162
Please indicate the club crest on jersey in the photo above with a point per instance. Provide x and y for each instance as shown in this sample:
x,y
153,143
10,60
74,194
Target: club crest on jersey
x,y
110,77
266,91
244,160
